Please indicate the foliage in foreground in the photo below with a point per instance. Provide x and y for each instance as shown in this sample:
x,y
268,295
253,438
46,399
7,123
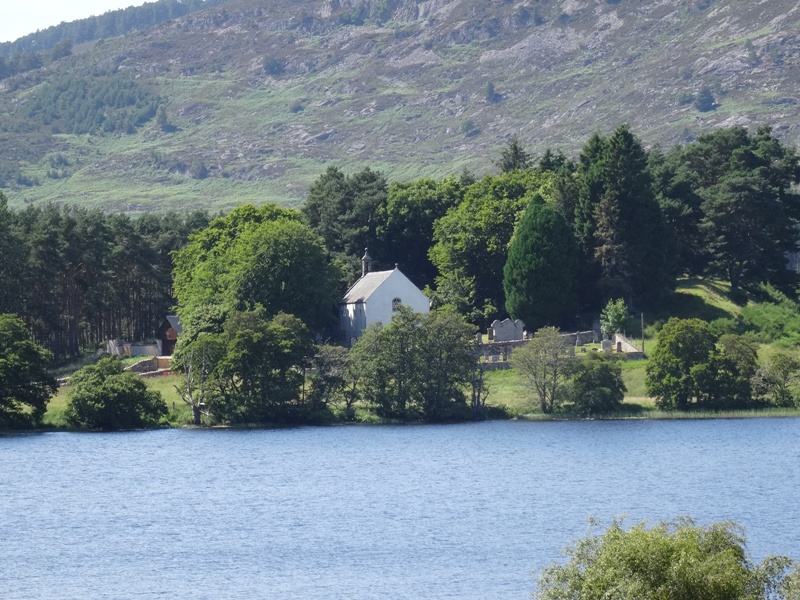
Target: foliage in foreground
x,y
671,561
108,398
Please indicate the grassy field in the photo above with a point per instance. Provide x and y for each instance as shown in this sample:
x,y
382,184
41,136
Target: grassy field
x,y
509,389
179,412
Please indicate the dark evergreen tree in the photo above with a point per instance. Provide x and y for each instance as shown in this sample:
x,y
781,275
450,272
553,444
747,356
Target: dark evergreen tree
x,y
630,254
540,275
513,157
11,265
611,252
79,277
553,161
730,201
681,206
345,211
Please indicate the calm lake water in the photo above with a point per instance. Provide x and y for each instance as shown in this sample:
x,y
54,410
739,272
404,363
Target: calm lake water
x,y
458,511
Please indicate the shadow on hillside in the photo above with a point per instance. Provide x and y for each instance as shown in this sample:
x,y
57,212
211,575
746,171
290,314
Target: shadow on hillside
x,y
707,300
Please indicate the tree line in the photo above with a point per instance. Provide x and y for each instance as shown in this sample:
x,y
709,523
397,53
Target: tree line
x,y
79,277
545,241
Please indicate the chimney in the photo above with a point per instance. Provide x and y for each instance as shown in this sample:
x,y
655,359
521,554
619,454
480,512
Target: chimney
x,y
366,263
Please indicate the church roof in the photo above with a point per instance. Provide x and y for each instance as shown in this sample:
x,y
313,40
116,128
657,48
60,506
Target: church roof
x,y
364,287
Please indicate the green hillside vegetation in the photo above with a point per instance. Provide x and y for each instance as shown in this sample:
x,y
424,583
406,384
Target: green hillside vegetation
x,y
509,392
254,286
240,102
767,317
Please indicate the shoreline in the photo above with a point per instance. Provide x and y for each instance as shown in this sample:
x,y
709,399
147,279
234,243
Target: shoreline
x,y
654,415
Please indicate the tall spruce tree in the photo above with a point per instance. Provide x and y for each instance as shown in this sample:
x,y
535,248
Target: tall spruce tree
x,y
540,275
624,252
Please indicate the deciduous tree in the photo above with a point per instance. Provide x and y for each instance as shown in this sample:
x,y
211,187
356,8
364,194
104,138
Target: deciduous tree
x,y
106,397
596,386
265,256
418,366
543,362
614,316
25,385
692,368
259,378
777,379
683,344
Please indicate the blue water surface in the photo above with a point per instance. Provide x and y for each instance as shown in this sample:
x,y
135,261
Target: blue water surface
x,y
357,513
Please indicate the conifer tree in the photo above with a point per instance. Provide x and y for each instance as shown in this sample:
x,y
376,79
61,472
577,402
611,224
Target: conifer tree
x,y
514,157
618,222
540,275
611,251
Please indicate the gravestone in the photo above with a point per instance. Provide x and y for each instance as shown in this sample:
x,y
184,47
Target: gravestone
x,y
507,330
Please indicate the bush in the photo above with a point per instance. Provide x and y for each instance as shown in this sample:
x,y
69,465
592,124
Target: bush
x,y
273,66
678,560
107,398
704,101
596,385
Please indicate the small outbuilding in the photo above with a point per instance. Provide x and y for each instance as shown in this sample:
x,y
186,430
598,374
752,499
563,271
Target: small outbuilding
x,y
168,334
375,297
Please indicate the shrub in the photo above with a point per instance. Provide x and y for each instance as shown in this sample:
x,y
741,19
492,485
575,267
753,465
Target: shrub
x,y
106,397
596,385
678,560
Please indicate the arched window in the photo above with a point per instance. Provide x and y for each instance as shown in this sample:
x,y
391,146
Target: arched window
x,y
396,302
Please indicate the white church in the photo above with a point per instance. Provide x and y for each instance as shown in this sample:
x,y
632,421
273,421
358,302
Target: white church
x,y
375,297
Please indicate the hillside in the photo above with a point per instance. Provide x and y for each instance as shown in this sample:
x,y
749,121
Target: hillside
x,y
250,100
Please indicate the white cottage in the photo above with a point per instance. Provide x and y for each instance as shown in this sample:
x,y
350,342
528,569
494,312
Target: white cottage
x,y
375,297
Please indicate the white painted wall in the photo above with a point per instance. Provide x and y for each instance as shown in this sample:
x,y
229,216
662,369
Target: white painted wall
x,y
354,318
397,285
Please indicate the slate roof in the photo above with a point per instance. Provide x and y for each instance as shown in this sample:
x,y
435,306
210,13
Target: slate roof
x,y
175,323
364,287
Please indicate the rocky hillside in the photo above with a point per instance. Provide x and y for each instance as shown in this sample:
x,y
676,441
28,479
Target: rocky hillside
x,y
251,99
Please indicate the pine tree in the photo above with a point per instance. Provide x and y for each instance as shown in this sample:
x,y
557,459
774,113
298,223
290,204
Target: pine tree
x,y
513,157
611,252
629,255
